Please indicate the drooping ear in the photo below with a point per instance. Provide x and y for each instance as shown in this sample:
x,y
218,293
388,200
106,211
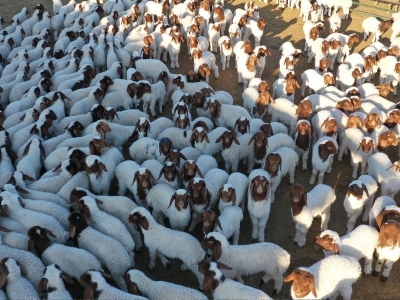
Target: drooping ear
x,y
218,223
31,244
365,190
72,231
304,197
217,250
220,138
219,192
135,177
161,173
143,223
323,152
42,285
132,287
207,282
3,277
223,266
335,248
66,277
103,167
49,233
88,292
173,198
199,172
290,277
199,219
311,283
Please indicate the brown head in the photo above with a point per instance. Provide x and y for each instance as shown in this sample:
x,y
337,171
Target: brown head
x,y
303,283
247,47
260,144
354,121
326,149
227,194
263,86
198,191
298,198
345,105
384,26
259,188
389,234
326,242
384,89
273,164
243,125
331,126
252,62
227,138
210,221
38,239
214,107
189,171
267,129
366,145
356,189
181,198
303,137
386,139
261,23
393,118
304,109
144,180
372,121
169,171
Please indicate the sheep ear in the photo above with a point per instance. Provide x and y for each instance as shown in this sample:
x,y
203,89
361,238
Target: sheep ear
x,y
236,140
72,231
103,167
365,190
49,233
219,192
161,173
207,282
27,177
198,171
223,266
290,277
206,138
4,211
3,278
311,283
251,139
66,277
31,245
21,202
220,138
26,149
335,248
199,219
42,284
323,152
143,223
171,200
99,201
217,251
135,177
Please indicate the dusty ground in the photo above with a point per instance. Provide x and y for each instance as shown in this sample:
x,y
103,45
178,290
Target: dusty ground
x,y
282,26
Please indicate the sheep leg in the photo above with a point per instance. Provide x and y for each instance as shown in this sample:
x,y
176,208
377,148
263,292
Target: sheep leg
x,y
321,177
325,216
313,175
239,277
121,189
152,263
261,228
120,281
394,83
345,292
296,235
386,270
304,158
163,259
228,58
363,167
278,282
368,265
355,169
254,223
236,237
215,70
367,207
301,238
194,218
352,218
223,61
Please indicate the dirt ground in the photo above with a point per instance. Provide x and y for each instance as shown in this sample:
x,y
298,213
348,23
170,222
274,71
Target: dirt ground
x,y
282,26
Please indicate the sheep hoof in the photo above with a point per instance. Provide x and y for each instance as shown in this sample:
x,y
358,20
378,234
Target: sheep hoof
x,y
305,170
375,273
383,279
262,283
365,274
275,292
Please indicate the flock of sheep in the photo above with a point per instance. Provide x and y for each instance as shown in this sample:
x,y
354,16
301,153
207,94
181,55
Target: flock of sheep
x,y
76,87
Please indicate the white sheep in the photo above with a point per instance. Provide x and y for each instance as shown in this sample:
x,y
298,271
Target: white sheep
x,y
359,243
93,241
52,282
380,168
94,283
158,290
246,68
105,223
226,50
235,149
259,202
12,205
324,124
161,197
224,288
206,142
117,206
233,192
322,157
74,261
328,277
306,206
158,240
278,164
17,285
374,26
31,263
268,258
360,146
360,193
314,81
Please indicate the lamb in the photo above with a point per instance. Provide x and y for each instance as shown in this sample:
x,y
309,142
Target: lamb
x,y
147,148
106,223
259,203
52,281
285,111
73,260
374,26
32,265
302,140
95,284
272,260
246,68
190,168
13,206
387,247
324,124
93,241
233,192
205,142
158,240
323,151
256,28
330,276
141,176
314,81
17,285
381,169
160,198
355,199
233,153
226,50
31,163
278,164
224,288
137,281
306,206
226,114
360,146
359,243
285,87
214,34
117,206
255,102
